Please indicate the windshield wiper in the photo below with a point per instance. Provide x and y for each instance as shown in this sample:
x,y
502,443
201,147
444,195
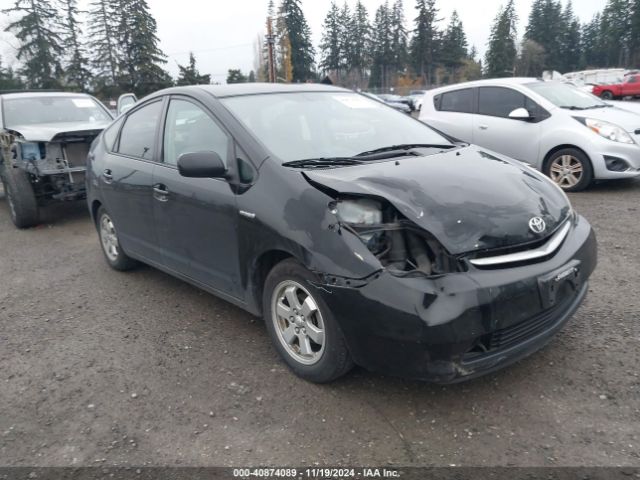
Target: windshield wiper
x,y
392,149
571,107
322,162
604,105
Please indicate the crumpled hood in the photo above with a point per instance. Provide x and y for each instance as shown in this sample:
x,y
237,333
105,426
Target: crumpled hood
x,y
47,132
469,199
617,115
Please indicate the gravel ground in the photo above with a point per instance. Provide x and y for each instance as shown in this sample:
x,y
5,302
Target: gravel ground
x,y
101,367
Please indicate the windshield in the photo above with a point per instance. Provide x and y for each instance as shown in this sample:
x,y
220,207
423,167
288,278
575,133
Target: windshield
x,y
40,110
566,96
296,126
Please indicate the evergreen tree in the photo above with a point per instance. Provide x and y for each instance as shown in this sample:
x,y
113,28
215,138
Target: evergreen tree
x,y
361,40
236,76
615,31
425,44
298,33
8,79
454,44
501,55
398,38
189,75
592,43
546,28
381,47
570,43
140,69
103,20
346,38
77,74
38,31
330,47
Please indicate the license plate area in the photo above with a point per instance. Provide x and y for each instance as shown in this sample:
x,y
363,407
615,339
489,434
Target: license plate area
x,y
553,286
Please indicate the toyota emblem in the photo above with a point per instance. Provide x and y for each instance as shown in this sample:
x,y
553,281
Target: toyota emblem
x,y
537,225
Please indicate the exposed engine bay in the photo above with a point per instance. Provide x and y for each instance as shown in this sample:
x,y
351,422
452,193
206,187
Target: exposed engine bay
x,y
56,169
402,247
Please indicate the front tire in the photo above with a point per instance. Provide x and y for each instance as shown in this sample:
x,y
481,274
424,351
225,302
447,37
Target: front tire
x,y
301,326
21,198
110,243
607,95
570,169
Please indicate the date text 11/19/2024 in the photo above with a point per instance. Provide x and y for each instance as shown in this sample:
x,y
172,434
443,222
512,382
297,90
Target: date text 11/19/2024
x,y
315,473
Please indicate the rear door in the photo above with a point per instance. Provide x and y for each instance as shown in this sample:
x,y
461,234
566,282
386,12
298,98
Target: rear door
x,y
127,181
453,113
493,129
196,217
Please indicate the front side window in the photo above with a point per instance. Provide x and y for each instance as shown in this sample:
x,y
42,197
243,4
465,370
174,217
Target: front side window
x,y
138,135
500,101
632,79
459,101
305,125
190,129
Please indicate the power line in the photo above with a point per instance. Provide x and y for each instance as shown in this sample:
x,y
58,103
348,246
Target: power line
x,y
211,49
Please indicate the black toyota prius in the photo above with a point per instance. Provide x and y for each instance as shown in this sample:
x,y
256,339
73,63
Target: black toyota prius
x,y
361,235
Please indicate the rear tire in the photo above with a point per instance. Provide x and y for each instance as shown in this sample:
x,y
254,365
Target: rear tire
x,y
301,326
21,198
113,253
570,169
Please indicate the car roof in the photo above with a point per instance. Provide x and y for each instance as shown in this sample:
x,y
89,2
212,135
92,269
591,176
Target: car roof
x,y
36,94
510,81
240,89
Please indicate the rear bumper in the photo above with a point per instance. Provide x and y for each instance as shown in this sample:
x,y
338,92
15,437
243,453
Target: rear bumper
x,y
461,326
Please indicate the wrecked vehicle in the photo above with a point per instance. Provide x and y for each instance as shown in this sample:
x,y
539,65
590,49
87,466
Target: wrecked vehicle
x,y
44,142
362,236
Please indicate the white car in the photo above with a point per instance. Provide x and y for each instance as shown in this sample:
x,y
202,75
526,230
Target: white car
x,y
570,135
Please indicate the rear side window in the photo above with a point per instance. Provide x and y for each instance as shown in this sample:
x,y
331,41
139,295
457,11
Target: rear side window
x,y
459,101
500,102
138,135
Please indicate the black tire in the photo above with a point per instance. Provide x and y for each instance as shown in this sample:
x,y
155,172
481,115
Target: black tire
x,y
116,257
333,359
21,198
577,157
607,95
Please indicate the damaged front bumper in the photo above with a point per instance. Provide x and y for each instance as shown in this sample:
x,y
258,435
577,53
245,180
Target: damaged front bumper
x,y
462,325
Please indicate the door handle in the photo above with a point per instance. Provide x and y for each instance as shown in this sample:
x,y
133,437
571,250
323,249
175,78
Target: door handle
x,y
107,175
484,127
160,192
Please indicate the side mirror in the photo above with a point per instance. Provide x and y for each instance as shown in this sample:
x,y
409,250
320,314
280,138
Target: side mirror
x,y
520,114
126,102
201,165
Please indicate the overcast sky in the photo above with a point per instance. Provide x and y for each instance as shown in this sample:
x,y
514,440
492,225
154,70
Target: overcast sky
x,y
222,33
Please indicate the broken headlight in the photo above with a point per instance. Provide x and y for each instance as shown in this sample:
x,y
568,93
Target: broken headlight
x,y
400,245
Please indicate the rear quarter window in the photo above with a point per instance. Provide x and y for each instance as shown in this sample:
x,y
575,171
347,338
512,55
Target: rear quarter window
x,y
110,134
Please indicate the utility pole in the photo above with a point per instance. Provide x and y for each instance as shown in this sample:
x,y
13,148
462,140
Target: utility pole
x,y
271,41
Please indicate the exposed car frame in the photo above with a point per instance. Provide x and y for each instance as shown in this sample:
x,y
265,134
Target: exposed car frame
x,y
41,164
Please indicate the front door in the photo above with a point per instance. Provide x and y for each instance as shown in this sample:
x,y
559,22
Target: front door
x,y
631,86
127,181
196,217
494,130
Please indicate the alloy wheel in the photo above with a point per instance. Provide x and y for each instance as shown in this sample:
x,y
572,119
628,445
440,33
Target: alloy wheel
x,y
109,238
566,171
298,322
